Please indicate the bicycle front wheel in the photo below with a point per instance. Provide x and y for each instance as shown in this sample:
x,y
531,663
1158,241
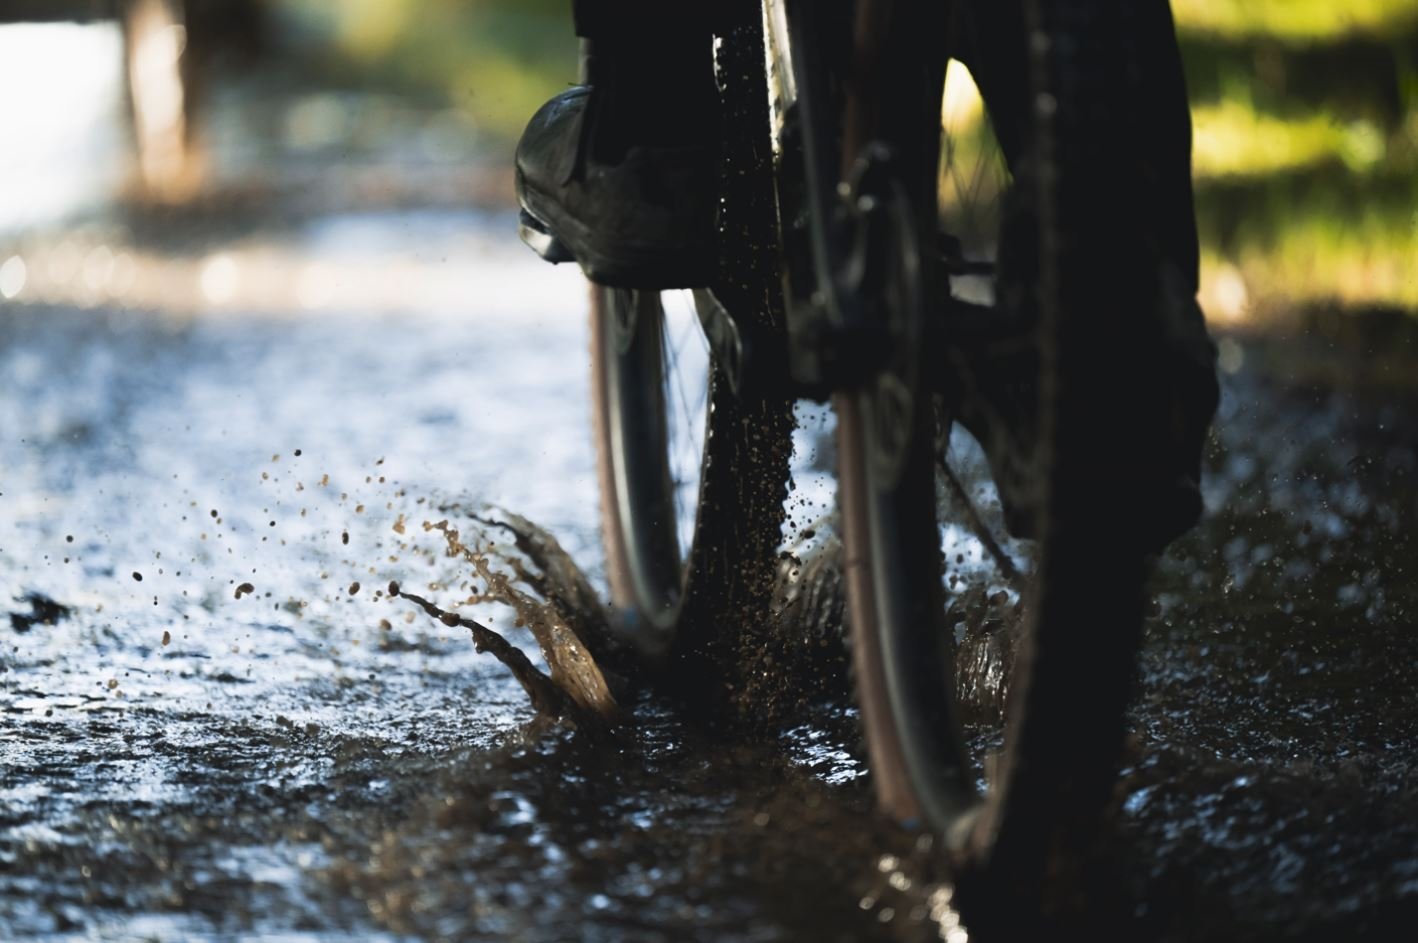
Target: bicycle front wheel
x,y
692,483
693,474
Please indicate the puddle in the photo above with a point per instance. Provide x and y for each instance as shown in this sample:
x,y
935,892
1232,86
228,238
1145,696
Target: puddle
x,y
308,758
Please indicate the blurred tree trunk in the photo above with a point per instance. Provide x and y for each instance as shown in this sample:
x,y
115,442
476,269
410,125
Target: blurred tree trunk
x,y
170,50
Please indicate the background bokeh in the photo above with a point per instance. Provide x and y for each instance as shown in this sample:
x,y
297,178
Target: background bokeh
x,y
1306,118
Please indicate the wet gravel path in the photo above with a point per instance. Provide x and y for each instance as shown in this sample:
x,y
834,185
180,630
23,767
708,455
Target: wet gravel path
x,y
186,758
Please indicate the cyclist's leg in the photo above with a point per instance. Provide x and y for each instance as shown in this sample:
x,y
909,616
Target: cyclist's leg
x,y
1153,118
656,61
1148,170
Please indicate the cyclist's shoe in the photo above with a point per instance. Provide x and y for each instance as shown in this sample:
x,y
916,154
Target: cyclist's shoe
x,y
636,216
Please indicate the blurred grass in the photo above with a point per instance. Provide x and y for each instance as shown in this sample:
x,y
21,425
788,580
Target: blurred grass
x,y
1305,111
1234,139
1316,20
1305,154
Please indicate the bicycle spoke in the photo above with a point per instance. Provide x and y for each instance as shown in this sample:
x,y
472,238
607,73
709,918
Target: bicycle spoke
x,y
983,533
684,413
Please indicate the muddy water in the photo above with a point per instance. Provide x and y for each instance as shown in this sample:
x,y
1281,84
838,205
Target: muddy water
x,y
221,728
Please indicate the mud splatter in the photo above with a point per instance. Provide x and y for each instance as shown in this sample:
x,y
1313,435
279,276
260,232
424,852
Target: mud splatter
x,y
557,606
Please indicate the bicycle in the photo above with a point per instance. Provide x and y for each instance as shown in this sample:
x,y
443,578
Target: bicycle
x,y
835,283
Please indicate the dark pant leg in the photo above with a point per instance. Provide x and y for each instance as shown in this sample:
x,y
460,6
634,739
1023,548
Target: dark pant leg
x,y
1152,146
1140,176
606,20
653,62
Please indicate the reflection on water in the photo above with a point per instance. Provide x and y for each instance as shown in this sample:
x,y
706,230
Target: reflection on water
x,y
411,263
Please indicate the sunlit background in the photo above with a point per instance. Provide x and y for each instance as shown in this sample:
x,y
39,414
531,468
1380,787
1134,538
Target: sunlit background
x,y
1306,143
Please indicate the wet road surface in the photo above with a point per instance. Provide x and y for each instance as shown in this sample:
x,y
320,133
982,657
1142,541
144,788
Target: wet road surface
x,y
216,726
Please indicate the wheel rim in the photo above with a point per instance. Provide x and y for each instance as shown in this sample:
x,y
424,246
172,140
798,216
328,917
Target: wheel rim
x,y
904,652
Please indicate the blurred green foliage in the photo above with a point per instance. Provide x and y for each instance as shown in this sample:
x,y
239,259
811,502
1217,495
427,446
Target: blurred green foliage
x,y
494,60
1306,118
1306,147
1316,20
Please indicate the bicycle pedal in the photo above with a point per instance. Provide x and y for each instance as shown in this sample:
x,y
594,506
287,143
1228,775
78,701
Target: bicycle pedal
x,y
540,239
